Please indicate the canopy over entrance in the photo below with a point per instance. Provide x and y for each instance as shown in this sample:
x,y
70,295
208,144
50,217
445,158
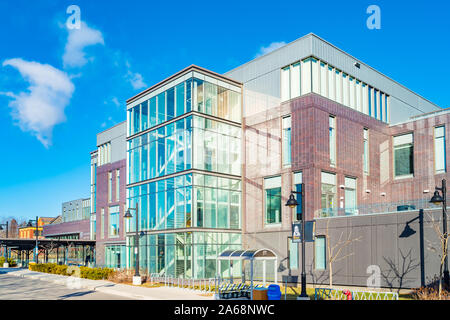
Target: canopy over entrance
x,y
249,254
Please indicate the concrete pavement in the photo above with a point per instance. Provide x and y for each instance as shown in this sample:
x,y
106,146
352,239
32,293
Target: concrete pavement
x,y
108,287
16,288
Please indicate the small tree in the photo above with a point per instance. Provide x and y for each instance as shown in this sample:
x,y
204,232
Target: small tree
x,y
443,250
335,251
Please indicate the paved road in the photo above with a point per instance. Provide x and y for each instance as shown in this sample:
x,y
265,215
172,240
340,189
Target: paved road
x,y
17,288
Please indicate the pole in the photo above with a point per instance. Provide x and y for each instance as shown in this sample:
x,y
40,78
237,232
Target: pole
x,y
136,273
303,221
37,248
444,221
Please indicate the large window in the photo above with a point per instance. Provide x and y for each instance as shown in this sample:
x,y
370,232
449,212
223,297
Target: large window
x,y
117,185
109,186
314,75
272,189
320,253
328,198
332,140
114,218
287,141
403,155
439,149
350,196
366,151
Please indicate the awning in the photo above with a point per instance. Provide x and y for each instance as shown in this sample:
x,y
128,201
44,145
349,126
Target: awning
x,y
249,254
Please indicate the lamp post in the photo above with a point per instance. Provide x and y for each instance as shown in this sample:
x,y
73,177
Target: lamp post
x,y
36,252
437,199
292,203
5,264
137,280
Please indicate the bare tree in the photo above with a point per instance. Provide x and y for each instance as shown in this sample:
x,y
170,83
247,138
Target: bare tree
x,y
335,251
443,248
399,272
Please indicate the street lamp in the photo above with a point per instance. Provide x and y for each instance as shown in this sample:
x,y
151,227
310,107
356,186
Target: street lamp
x,y
30,224
137,280
292,203
5,264
437,199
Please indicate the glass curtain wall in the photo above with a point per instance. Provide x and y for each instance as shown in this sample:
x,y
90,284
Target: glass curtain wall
x,y
183,254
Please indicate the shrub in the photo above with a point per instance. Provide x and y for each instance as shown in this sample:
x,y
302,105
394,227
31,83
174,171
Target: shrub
x,y
12,263
85,272
121,276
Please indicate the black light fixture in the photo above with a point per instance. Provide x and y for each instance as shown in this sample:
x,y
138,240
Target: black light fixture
x,y
291,203
436,199
29,224
128,214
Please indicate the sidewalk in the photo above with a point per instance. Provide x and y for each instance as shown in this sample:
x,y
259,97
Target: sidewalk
x,y
108,287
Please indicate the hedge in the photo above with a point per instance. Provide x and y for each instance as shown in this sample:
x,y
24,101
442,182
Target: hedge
x,y
85,272
12,263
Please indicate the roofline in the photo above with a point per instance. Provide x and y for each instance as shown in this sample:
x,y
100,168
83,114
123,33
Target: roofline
x,y
192,67
349,55
422,116
111,128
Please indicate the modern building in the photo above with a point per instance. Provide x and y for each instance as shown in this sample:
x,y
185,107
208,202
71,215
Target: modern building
x,y
212,160
73,223
108,172
184,172
360,142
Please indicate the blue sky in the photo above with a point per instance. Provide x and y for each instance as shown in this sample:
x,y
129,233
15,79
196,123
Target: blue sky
x,y
58,88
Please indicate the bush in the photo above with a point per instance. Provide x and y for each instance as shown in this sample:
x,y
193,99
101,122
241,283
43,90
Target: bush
x,y
12,263
95,273
85,272
121,276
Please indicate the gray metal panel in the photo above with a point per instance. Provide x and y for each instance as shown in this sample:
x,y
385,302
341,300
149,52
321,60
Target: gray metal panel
x,y
262,75
117,136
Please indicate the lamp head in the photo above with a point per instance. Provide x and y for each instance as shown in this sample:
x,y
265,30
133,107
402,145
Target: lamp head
x,y
1,228
436,199
292,203
29,224
127,214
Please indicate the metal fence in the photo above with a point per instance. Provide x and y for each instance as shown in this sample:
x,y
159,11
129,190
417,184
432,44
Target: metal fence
x,y
377,208
343,294
203,285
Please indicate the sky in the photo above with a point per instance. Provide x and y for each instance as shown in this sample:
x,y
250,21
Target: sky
x,y
60,86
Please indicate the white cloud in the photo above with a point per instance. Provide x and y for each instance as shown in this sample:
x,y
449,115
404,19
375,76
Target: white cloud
x,y
42,106
77,41
136,80
270,48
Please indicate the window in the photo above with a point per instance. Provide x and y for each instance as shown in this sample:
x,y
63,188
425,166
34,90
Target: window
x,y
295,80
315,75
286,141
306,76
109,186
117,185
272,188
298,187
323,79
403,155
285,83
293,255
114,218
439,149
320,253
102,224
366,151
332,140
328,197
350,196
